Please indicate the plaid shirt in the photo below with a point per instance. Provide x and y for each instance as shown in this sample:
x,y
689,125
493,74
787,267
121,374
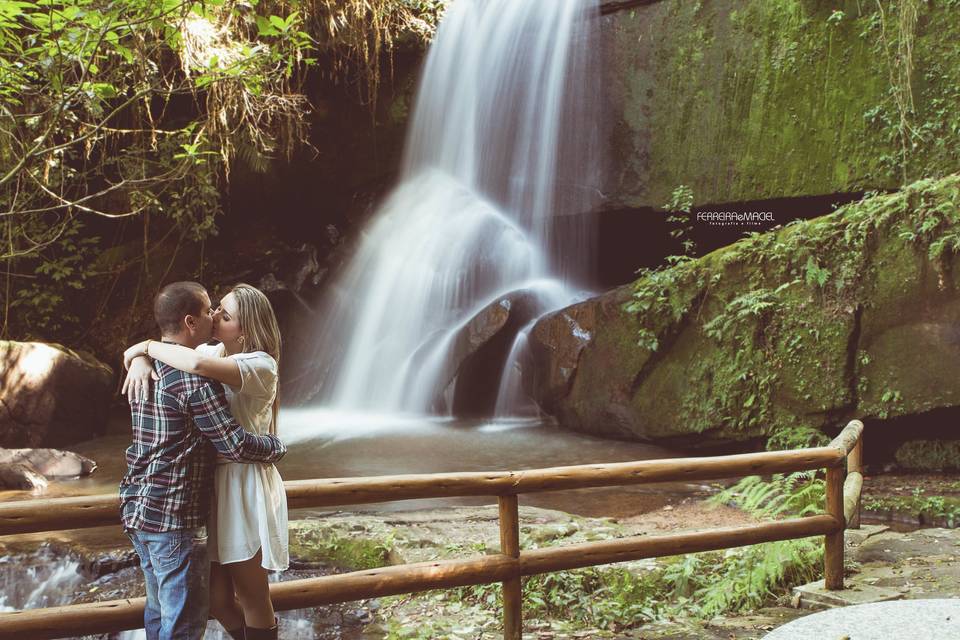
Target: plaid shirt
x,y
169,476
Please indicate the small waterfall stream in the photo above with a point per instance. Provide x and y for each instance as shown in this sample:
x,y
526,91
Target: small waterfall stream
x,y
500,148
45,579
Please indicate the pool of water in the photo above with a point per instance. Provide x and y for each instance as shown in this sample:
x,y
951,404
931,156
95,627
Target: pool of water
x,y
328,444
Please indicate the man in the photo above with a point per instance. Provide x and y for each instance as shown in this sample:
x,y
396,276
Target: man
x,y
165,495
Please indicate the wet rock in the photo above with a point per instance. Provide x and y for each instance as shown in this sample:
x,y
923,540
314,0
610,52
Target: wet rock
x,y
106,563
558,340
480,352
50,395
52,463
21,476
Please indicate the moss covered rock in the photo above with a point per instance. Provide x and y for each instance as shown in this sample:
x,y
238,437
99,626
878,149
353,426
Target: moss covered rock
x,y
752,99
854,314
929,455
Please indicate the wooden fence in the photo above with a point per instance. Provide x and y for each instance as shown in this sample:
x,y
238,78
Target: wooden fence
x,y
841,459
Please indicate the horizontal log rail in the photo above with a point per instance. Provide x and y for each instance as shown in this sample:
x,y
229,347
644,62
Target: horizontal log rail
x,y
52,514
508,566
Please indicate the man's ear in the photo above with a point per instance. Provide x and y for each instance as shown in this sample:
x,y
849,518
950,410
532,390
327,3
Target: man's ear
x,y
190,322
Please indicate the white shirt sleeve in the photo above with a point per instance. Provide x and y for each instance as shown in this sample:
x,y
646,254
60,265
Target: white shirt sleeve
x,y
258,374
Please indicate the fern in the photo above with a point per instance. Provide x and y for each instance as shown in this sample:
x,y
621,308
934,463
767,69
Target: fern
x,y
796,494
742,579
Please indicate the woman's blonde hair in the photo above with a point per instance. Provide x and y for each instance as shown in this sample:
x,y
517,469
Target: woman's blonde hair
x,y
260,330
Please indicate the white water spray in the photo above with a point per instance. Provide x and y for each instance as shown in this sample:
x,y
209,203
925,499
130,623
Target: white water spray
x,y
500,152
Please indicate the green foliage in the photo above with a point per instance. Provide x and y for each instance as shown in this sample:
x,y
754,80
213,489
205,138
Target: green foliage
x,y
777,310
341,549
139,109
929,455
815,274
936,510
679,207
744,315
787,438
47,304
796,494
620,597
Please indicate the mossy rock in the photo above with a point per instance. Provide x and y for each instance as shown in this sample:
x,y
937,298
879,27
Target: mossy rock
x,y
854,314
348,546
752,99
929,455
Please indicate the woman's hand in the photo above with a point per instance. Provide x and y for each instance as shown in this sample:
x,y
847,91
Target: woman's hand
x,y
139,349
137,383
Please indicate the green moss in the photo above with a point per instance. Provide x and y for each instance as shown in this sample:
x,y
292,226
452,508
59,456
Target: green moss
x,y
935,510
354,551
745,100
802,326
929,455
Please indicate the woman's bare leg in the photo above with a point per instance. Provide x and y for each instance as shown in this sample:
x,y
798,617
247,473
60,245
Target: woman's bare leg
x,y
253,591
223,600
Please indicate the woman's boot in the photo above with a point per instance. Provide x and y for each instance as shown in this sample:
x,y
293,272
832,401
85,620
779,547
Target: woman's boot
x,y
262,634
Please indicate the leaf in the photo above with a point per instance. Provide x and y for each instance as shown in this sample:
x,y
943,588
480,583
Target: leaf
x,y
264,27
104,90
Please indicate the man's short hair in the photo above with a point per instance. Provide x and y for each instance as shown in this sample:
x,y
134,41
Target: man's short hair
x,y
176,301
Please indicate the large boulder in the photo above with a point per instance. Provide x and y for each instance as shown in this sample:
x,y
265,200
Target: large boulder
x,y
745,100
854,314
30,468
480,351
50,395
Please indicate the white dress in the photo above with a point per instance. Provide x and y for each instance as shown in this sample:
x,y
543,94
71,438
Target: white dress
x,y
249,507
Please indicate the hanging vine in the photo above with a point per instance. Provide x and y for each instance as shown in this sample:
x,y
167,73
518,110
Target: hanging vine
x,y
900,67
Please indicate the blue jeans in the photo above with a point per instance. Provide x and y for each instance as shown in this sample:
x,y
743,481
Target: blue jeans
x,y
176,570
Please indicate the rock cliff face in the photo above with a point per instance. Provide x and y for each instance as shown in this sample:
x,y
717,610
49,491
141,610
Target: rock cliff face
x,y
751,99
51,396
854,314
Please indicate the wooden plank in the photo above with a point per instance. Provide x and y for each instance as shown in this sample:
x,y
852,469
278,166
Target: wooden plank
x,y
639,547
52,514
833,542
510,547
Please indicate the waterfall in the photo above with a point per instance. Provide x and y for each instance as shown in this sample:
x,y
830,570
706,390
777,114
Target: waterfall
x,y
501,156
44,579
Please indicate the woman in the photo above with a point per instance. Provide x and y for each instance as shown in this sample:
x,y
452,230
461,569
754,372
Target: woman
x,y
248,518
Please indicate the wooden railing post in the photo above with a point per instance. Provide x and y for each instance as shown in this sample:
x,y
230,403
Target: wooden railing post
x,y
510,546
833,542
855,465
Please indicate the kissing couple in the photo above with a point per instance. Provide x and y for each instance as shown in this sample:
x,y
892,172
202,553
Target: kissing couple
x,y
201,501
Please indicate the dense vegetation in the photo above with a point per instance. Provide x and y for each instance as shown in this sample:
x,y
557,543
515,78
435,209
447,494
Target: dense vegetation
x,y
123,120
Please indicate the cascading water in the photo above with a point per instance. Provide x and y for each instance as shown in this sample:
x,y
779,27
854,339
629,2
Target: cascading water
x,y
500,149
45,579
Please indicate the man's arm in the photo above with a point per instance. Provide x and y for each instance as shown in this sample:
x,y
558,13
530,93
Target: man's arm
x,y
210,412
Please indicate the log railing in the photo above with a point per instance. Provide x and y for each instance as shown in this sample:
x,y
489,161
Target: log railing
x,y
841,459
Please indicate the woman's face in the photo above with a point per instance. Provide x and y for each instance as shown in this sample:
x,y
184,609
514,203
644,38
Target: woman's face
x,y
226,324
